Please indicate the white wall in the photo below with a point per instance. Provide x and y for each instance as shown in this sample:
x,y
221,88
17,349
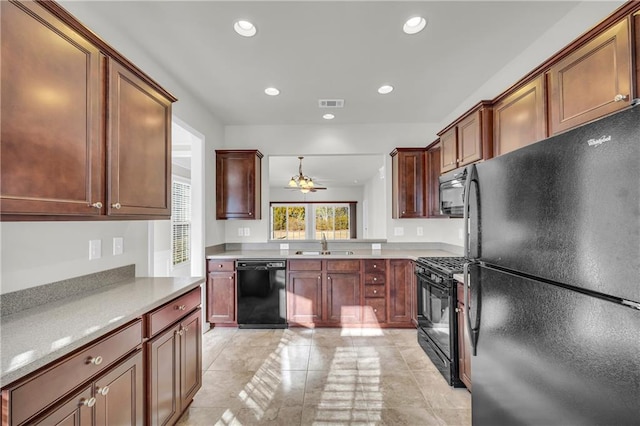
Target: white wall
x,y
375,203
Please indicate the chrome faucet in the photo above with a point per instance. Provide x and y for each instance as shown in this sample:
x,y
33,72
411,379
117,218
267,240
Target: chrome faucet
x,y
324,242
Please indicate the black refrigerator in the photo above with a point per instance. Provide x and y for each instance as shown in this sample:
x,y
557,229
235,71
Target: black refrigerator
x,y
553,275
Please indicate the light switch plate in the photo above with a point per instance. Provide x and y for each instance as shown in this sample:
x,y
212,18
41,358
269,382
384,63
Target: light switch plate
x,y
376,246
118,246
95,249
247,232
284,246
420,231
240,232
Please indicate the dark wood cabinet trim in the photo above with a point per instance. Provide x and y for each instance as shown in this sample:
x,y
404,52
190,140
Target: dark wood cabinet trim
x,y
635,25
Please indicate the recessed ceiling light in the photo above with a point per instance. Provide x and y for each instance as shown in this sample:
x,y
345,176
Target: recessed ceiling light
x,y
329,116
414,25
383,90
271,91
245,28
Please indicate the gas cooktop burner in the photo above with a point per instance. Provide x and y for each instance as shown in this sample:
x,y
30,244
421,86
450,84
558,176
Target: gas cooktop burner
x,y
449,265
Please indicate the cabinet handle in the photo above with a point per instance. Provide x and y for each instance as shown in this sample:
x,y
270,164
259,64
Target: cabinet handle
x,y
620,97
116,206
95,361
179,332
97,205
181,307
88,402
103,391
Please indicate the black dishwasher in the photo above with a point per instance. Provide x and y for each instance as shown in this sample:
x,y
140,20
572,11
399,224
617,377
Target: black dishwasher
x,y
262,296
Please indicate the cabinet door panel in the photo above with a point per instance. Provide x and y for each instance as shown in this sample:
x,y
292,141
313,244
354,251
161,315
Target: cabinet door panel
x,y
411,194
190,357
71,413
519,119
163,355
51,114
221,297
449,143
238,184
139,146
433,183
584,85
343,298
401,274
304,297
123,402
469,140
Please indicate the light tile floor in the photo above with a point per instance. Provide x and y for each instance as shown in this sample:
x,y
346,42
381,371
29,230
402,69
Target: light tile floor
x,y
322,377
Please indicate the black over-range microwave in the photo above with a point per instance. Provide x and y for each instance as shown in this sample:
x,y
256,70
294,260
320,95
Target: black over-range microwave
x,y
452,192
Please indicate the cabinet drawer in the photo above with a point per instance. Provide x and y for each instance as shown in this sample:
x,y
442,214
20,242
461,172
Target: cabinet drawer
x,y
221,265
374,278
172,312
304,265
30,397
375,265
374,291
342,265
375,310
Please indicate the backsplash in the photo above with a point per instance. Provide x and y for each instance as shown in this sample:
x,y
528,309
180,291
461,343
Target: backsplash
x,y
17,301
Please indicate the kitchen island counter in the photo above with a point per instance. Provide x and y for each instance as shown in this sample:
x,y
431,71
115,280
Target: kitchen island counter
x,y
32,338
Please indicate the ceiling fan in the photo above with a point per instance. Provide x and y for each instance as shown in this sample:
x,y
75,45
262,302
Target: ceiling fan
x,y
302,182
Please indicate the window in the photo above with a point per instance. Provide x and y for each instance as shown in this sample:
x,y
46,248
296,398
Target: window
x,y
310,221
181,222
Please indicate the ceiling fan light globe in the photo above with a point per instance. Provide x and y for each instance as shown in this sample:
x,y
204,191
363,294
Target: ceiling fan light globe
x,y
304,190
310,183
292,183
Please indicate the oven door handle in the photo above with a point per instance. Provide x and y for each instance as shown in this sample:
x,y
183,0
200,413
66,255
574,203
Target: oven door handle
x,y
474,331
433,284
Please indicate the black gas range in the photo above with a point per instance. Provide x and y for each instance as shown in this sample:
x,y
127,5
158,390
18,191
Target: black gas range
x,y
437,319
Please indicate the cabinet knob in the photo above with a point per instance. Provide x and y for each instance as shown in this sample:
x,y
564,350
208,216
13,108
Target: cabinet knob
x,y
103,391
375,279
181,307
97,205
250,214
458,310
403,212
220,266
179,332
88,402
375,291
620,97
230,278
375,266
95,361
116,206
375,310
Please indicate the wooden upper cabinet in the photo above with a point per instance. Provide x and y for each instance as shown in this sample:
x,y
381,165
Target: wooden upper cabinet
x,y
592,81
77,117
238,184
139,156
51,114
408,183
433,182
519,117
467,140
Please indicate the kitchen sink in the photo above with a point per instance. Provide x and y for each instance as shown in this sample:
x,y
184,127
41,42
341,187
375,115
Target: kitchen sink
x,y
324,253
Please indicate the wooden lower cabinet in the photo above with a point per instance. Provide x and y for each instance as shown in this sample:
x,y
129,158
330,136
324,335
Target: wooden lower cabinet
x,y
400,300
343,298
175,369
221,297
304,297
72,412
120,393
464,350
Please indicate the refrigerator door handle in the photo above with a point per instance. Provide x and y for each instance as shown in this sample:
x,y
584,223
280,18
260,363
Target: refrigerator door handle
x,y
472,178
474,331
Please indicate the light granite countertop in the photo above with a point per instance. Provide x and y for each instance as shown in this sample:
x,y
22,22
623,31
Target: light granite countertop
x,y
32,338
357,254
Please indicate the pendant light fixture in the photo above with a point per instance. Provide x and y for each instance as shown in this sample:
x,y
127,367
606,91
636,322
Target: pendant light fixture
x,y
303,182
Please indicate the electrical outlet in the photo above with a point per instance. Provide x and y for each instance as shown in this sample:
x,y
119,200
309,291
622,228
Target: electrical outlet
x,y
118,245
284,246
95,249
420,231
240,232
376,246
247,232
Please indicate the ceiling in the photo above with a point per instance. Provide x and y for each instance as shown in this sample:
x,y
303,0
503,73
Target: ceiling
x,y
327,49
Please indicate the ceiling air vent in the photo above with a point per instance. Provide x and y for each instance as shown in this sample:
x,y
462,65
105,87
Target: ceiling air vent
x,y
331,103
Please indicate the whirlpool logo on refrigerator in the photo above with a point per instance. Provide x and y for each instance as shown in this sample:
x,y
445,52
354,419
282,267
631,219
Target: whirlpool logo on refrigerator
x,y
599,141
